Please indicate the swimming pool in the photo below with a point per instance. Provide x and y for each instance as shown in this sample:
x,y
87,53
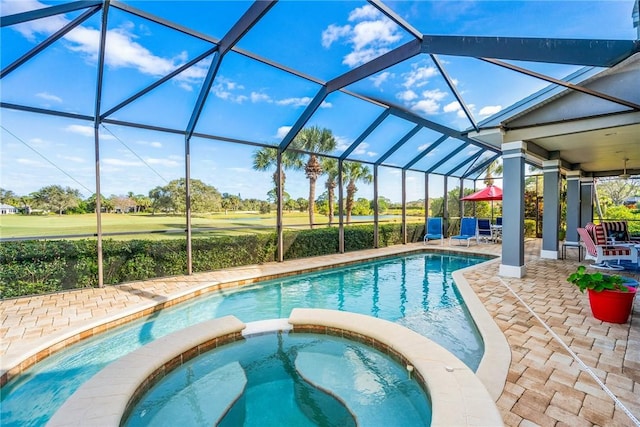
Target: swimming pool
x,y
416,291
296,379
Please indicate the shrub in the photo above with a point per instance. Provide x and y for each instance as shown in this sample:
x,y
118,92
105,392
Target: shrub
x,y
36,267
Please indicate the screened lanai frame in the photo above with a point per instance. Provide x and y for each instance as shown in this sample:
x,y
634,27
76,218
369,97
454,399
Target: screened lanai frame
x,y
451,144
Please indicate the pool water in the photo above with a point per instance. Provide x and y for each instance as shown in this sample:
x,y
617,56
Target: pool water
x,y
415,291
294,379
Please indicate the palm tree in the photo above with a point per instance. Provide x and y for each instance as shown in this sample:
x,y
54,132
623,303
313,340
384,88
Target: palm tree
x,y
330,167
354,172
267,158
315,140
494,168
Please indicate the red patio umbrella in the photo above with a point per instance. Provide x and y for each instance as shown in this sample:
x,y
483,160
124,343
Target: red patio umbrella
x,y
490,193
486,194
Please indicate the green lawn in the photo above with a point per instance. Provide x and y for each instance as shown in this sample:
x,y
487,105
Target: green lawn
x,y
15,226
54,225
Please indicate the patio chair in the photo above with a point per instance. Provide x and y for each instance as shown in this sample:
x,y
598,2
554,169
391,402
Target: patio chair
x,y
468,230
484,230
434,230
499,220
617,231
597,249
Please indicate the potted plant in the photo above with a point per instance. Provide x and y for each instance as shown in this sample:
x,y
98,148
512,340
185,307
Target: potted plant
x,y
610,297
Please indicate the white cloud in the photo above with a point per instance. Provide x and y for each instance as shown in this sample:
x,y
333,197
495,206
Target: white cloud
x,y
87,131
455,107
260,97
226,89
418,77
435,94
490,110
452,107
424,146
381,32
30,29
429,102
370,36
407,95
426,106
362,149
39,141
121,48
29,162
296,102
333,33
381,78
48,97
358,57
365,12
163,162
154,144
80,130
283,131
342,143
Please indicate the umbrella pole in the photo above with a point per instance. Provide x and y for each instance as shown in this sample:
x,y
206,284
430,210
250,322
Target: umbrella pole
x,y
492,212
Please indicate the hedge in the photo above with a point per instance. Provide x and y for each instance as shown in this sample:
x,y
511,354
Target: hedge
x,y
36,267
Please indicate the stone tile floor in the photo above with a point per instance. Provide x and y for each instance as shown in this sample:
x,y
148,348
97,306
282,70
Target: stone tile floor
x,y
567,368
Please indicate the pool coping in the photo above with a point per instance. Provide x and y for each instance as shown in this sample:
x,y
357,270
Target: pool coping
x,y
496,360
457,395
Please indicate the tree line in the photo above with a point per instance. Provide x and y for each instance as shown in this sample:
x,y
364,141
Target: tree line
x,y
304,155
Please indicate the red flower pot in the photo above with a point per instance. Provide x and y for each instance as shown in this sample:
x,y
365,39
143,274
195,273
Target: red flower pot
x,y
612,306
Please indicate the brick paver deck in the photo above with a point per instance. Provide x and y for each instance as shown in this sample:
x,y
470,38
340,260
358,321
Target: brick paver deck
x,y
567,368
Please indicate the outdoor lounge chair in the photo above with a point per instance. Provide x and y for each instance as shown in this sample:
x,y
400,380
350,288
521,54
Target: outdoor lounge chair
x,y
434,230
597,249
468,230
617,231
484,230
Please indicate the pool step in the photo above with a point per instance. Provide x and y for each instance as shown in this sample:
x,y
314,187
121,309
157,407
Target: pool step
x,y
352,381
204,400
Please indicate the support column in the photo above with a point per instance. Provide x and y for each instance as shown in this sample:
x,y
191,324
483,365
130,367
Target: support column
x,y
404,206
513,156
376,215
279,207
426,201
445,205
341,207
586,201
460,201
573,207
551,213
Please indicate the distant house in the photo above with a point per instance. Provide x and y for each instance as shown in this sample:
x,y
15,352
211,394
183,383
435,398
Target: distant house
x,y
632,201
7,209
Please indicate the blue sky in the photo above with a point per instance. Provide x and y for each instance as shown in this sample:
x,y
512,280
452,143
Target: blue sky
x,y
253,101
